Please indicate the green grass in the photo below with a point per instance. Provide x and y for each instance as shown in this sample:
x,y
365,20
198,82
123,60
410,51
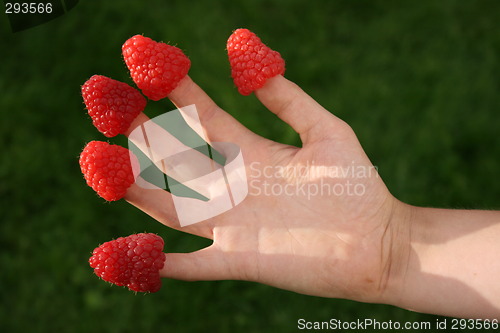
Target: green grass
x,y
419,82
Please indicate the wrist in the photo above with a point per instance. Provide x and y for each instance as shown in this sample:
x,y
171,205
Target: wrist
x,y
396,252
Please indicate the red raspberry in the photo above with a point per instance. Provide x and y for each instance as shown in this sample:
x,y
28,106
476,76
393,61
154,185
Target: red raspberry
x,y
107,169
156,68
111,104
252,62
133,261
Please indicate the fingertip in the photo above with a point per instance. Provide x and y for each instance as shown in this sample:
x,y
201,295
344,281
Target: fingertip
x,y
107,169
113,105
156,67
252,62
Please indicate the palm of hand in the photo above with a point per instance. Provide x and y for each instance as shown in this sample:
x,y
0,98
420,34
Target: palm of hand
x,y
325,237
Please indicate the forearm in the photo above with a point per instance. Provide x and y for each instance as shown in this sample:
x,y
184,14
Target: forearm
x,y
453,265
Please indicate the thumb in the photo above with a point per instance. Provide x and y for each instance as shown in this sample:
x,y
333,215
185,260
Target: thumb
x,y
206,264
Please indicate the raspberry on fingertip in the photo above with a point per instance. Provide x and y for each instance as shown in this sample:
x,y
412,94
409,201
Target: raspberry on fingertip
x,y
108,169
252,62
156,68
112,105
134,261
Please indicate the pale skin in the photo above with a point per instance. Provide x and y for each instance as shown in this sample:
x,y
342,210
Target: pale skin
x,y
367,246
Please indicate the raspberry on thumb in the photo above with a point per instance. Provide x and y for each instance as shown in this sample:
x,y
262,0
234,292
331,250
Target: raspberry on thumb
x,y
112,105
156,68
108,169
134,261
252,62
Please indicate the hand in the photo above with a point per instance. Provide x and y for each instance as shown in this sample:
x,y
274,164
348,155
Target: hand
x,y
339,233
318,219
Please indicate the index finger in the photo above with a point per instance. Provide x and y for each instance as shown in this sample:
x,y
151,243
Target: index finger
x,y
295,107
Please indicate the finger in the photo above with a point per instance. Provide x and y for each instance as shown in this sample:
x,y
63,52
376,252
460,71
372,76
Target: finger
x,y
218,125
138,121
208,264
110,171
290,103
159,204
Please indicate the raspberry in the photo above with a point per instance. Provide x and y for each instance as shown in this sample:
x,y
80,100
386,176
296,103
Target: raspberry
x,y
252,62
111,104
107,169
156,68
133,261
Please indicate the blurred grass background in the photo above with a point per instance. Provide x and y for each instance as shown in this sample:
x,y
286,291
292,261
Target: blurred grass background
x,y
419,82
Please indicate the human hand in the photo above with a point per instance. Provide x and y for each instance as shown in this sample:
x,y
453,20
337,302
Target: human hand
x,y
318,220
343,241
